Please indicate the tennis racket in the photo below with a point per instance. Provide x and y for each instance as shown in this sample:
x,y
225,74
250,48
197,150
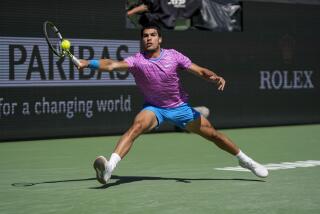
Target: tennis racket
x,y
54,40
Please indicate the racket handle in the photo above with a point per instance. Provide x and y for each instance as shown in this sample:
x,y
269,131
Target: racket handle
x,y
75,60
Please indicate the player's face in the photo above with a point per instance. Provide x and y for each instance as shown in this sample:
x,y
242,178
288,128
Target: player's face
x,y
151,40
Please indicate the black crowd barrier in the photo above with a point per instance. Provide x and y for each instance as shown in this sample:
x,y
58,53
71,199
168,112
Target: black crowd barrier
x,y
271,69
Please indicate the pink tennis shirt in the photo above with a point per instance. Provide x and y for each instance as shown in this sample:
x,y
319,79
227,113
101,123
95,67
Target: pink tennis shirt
x,y
157,78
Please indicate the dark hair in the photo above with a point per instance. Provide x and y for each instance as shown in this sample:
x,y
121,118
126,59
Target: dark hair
x,y
151,26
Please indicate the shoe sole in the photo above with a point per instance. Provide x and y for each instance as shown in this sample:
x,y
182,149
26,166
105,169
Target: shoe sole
x,y
99,166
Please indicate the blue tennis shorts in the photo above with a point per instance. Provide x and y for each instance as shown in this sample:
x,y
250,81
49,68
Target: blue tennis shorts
x,y
180,116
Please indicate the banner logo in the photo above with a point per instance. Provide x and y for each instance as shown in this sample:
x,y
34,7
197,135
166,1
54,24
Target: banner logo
x,y
277,79
26,61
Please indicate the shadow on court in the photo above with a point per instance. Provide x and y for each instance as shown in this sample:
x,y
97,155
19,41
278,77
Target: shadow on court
x,y
27,184
130,179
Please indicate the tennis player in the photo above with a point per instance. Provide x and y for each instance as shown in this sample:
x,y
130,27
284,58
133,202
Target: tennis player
x,y
155,72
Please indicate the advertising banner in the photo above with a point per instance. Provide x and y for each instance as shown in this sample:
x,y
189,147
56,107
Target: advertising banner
x,y
271,68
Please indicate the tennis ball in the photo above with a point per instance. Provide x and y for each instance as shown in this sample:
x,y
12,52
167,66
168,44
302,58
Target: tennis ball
x,y
65,44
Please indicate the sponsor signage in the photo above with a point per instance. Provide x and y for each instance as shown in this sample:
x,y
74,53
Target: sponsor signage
x,y
277,79
27,61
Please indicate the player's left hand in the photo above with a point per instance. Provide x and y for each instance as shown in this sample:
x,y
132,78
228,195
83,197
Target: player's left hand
x,y
219,81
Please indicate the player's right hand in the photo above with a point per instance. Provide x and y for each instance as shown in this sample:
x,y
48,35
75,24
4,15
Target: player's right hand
x,y
83,64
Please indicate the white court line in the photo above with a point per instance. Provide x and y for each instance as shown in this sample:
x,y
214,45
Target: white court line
x,y
277,166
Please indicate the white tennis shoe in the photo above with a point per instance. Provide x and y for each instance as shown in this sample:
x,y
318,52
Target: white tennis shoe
x,y
100,165
257,169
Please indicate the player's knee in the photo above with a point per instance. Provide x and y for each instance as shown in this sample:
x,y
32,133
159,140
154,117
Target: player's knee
x,y
137,127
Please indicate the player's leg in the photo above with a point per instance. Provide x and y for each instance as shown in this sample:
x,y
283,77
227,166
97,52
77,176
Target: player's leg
x,y
145,121
205,129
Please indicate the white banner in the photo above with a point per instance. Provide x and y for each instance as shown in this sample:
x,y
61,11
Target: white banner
x,y
26,61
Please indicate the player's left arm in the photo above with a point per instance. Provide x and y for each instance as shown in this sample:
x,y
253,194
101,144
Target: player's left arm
x,y
207,75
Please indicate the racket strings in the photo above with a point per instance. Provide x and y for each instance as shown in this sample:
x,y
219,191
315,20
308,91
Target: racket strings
x,y
54,38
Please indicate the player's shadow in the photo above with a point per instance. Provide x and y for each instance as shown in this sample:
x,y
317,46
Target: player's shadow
x,y
28,184
130,179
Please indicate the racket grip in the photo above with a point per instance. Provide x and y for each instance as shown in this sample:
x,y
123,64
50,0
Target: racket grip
x,y
75,61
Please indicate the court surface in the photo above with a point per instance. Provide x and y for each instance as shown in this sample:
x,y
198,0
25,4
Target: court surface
x,y
163,173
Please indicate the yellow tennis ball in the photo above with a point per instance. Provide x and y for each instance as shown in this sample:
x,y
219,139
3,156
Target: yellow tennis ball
x,y
65,44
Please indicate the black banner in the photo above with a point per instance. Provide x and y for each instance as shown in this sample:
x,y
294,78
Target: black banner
x,y
272,70
66,111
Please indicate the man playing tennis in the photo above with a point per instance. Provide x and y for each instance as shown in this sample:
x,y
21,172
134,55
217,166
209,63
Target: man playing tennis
x,y
155,73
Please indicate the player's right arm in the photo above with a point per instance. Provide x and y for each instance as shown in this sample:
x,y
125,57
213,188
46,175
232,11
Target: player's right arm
x,y
105,65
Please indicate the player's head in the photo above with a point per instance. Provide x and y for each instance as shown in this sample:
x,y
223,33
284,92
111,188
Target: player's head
x,y
151,37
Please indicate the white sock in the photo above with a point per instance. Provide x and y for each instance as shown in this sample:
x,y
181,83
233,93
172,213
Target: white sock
x,y
243,157
114,160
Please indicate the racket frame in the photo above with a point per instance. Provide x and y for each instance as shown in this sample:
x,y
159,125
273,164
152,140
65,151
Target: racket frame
x,y
63,53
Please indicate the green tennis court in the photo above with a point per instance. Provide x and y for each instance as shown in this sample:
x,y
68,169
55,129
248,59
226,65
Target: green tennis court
x,y
164,173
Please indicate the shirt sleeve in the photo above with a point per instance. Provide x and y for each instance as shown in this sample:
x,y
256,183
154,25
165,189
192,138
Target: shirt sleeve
x,y
131,62
183,61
